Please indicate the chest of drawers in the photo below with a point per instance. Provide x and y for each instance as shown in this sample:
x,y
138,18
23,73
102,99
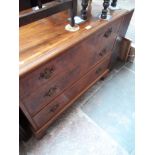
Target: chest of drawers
x,y
56,69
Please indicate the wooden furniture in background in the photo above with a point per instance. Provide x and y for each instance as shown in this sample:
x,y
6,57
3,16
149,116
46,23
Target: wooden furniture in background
x,y
53,7
57,67
27,4
131,55
124,49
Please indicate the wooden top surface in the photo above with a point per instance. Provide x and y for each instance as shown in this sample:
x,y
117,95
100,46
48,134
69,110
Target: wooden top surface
x,y
46,38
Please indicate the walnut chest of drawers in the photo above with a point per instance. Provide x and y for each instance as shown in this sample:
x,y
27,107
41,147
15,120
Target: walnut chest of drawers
x,y
57,66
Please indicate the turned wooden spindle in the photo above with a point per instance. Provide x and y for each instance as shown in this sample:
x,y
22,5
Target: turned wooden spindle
x,y
105,9
84,9
35,3
39,4
114,3
72,14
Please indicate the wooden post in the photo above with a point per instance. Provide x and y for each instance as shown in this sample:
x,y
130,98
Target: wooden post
x,y
105,9
72,14
84,9
75,3
39,4
35,3
72,17
114,3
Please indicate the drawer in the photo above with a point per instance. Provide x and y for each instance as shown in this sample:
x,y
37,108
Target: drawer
x,y
55,107
89,78
50,111
110,29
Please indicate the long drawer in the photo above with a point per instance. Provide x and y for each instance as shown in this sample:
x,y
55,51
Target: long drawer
x,y
50,111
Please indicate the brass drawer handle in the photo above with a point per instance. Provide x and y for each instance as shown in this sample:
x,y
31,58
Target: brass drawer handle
x,y
108,33
99,70
51,92
47,73
103,52
54,108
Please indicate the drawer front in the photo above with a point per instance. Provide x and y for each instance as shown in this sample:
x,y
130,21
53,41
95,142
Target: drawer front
x,y
50,110
63,100
64,70
89,78
107,31
107,35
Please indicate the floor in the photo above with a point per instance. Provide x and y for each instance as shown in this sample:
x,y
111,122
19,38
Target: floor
x,y
101,122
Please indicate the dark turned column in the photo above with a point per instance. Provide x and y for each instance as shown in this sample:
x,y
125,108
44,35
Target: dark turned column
x,y
114,3
72,14
84,7
36,3
105,10
39,4
75,6
72,18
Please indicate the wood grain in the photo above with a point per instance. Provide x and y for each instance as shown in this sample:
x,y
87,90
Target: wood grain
x,y
69,96
45,39
77,61
57,67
